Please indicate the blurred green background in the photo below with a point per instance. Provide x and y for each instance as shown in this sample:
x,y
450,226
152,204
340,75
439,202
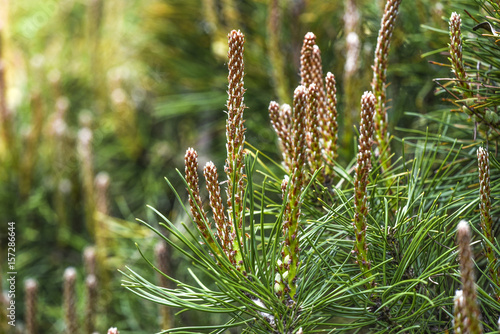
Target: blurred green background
x,y
102,98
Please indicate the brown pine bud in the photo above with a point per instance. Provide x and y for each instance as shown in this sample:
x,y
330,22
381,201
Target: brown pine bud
x,y
199,215
91,306
380,78
70,301
329,121
307,71
102,182
313,134
31,292
89,260
281,122
363,167
472,316
456,60
291,215
162,258
224,229
486,220
458,313
235,131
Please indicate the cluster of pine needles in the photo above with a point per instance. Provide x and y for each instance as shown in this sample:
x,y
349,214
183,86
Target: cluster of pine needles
x,y
392,243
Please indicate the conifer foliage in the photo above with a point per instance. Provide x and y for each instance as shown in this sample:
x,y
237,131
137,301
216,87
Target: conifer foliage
x,y
310,246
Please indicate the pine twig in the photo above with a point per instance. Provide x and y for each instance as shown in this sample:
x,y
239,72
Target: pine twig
x,y
235,136
224,232
313,134
162,258
91,306
322,127
276,57
458,312
70,301
286,278
31,292
199,215
89,260
471,315
379,81
456,60
329,124
486,220
281,120
363,167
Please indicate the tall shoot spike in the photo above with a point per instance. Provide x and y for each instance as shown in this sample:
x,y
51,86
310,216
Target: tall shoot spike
x,y
486,220
90,260
307,71
286,279
102,182
363,166
457,64
70,301
322,126
352,80
458,312
329,124
31,292
311,71
235,134
235,131
91,306
317,74
86,156
313,134
224,231
380,78
199,215
281,120
276,57
471,314
162,259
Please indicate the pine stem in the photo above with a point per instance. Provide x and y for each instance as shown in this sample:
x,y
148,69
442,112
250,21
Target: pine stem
x,y
313,134
288,267
471,315
199,215
456,60
31,290
363,167
224,232
486,220
330,126
235,134
274,51
458,312
379,81
70,301
281,122
91,306
162,257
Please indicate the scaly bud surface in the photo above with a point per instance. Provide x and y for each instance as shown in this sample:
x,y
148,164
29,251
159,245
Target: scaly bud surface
x,y
363,167
471,314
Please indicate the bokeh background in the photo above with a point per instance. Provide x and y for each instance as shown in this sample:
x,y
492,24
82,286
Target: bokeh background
x,y
101,98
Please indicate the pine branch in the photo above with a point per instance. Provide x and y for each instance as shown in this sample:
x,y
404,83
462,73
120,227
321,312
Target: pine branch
x,y
363,167
289,266
379,81
486,220
470,312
